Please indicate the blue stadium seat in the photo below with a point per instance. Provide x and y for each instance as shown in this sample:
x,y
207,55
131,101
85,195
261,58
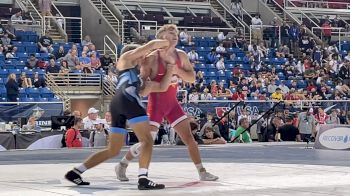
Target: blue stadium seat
x,y
4,73
3,99
2,81
33,92
22,93
26,99
221,75
41,99
29,73
281,76
228,73
301,84
55,99
210,67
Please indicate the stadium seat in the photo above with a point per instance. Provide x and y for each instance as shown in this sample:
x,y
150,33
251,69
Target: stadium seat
x,y
22,93
33,92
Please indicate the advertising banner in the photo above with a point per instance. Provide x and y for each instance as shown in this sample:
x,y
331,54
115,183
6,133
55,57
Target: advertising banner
x,y
333,137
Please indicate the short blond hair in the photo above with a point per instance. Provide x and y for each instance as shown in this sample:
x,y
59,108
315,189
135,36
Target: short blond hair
x,y
165,28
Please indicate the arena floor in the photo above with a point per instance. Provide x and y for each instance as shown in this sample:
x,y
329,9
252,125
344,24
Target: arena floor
x,y
244,169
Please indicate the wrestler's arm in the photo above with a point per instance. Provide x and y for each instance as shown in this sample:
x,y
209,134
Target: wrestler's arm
x,y
145,49
187,72
152,86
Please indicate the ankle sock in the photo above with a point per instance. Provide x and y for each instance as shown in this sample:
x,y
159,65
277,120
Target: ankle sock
x,y
143,173
81,168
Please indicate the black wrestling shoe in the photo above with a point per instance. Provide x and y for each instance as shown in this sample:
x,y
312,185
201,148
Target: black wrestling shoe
x,y
74,176
146,184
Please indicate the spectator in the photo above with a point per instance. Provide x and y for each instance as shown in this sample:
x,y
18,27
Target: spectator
x,y
3,30
45,7
240,135
327,32
288,132
76,114
64,69
194,131
85,63
212,57
45,43
333,118
285,34
257,28
344,72
37,81
238,95
221,50
73,137
221,37
194,96
86,41
24,82
271,88
17,17
294,34
11,53
90,119
31,125
193,55
60,53
92,48
185,38
12,88
220,65
236,9
95,61
5,40
107,121
32,62
210,137
99,136
72,60
53,68
284,88
106,62
206,95
275,124
306,124
277,96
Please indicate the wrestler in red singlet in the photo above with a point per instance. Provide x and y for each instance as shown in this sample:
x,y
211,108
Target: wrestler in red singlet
x,y
164,104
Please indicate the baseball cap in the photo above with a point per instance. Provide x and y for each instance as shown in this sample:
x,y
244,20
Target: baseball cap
x,y
92,111
98,121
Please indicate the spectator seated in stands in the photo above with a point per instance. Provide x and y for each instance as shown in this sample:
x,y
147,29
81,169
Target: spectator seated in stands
x,y
3,30
5,40
210,137
24,82
12,88
11,53
17,17
288,132
194,96
239,95
213,88
111,76
92,48
206,95
31,125
45,43
193,56
65,69
212,57
241,137
53,68
284,88
32,62
95,61
72,60
106,62
90,119
86,41
185,38
194,131
85,63
60,53
277,96
99,136
37,81
220,65
221,50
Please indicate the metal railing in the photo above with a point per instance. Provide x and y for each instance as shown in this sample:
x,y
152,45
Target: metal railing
x,y
70,27
262,27
227,11
140,24
50,82
79,80
109,86
104,6
113,50
316,4
334,31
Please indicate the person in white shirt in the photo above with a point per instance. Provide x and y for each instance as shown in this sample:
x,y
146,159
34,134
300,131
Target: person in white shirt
x,y
347,57
193,97
17,17
206,95
221,49
257,28
220,65
221,37
90,119
193,56
236,8
284,88
107,121
185,38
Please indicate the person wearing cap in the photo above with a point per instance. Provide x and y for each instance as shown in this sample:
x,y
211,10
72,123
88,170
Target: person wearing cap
x,y
90,119
306,124
277,96
99,136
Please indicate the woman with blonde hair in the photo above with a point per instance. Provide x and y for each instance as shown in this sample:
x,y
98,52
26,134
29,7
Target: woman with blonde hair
x,y
12,88
24,82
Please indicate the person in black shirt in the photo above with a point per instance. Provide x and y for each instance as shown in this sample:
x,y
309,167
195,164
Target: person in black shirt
x,y
289,132
53,68
60,53
106,61
12,88
37,81
45,44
